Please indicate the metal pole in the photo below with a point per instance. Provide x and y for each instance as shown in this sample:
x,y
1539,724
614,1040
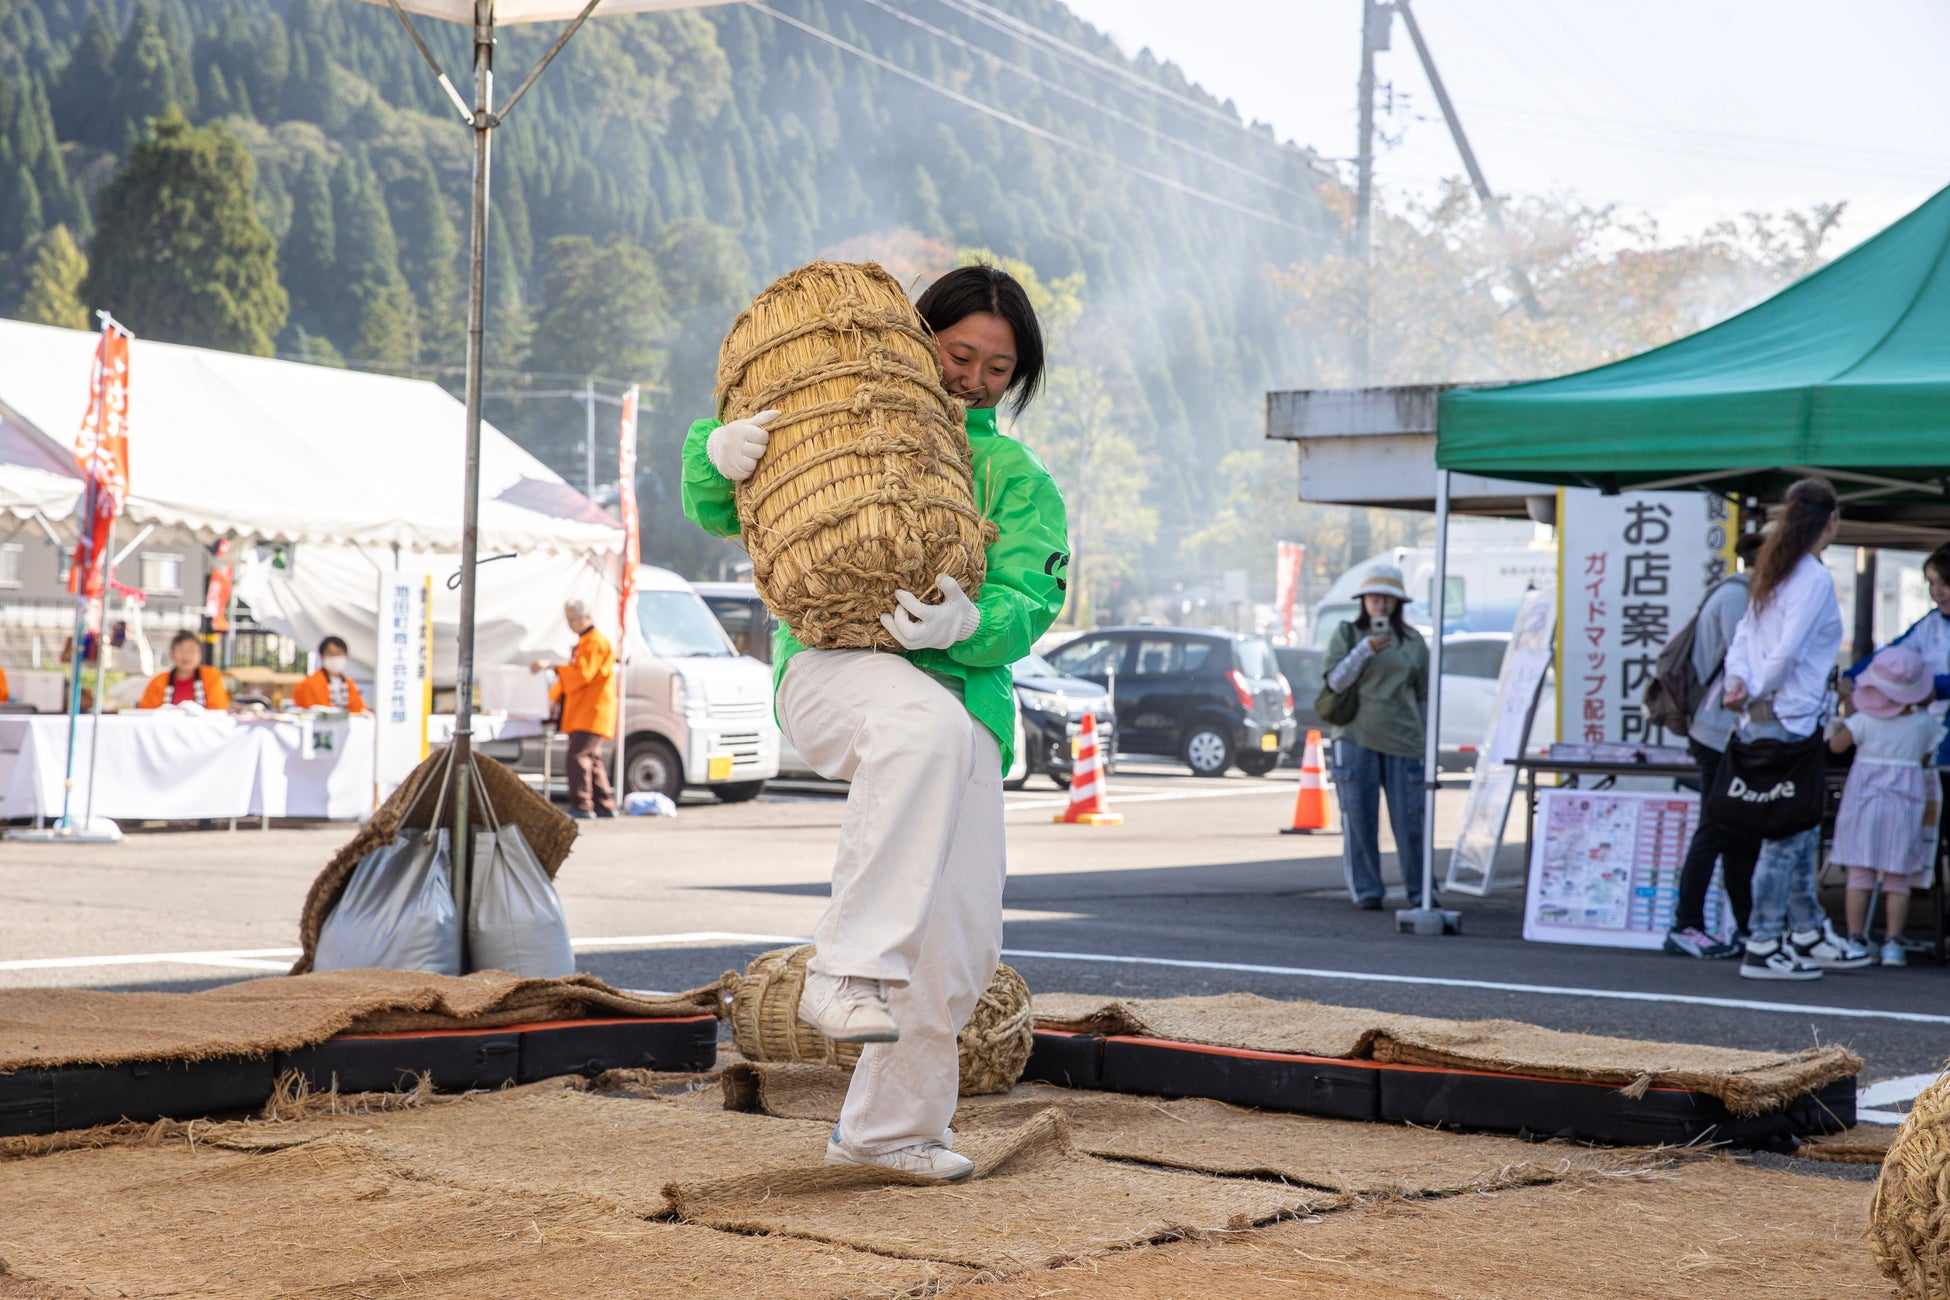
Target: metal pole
x,y
81,603
483,125
1863,640
1375,21
1427,918
101,684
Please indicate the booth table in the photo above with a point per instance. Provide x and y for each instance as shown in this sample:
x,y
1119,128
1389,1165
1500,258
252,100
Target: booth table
x,y
174,765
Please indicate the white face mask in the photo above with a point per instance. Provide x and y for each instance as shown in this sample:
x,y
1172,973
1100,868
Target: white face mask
x,y
334,664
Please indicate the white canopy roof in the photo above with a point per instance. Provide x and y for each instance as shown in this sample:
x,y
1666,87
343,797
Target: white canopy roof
x,y
539,11
279,451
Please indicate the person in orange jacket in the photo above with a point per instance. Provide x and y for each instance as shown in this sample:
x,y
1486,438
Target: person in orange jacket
x,y
585,686
4,696
329,687
189,680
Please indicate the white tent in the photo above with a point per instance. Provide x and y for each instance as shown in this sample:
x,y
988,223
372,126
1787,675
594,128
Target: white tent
x,y
358,473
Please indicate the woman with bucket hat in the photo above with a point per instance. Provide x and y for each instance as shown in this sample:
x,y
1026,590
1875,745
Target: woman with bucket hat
x,y
1380,667
1888,819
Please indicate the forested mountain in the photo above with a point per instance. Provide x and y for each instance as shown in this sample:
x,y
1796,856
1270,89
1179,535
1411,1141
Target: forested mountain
x,y
669,165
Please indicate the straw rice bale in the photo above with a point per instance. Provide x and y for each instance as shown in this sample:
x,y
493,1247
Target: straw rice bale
x,y
1033,1200
1749,1083
763,1007
864,488
1910,1221
1710,1229
41,1028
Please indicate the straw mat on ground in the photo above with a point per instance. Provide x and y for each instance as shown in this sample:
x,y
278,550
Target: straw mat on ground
x,y
1749,1083
1865,1144
1708,1229
1032,1200
334,1219
41,1028
549,831
1212,1137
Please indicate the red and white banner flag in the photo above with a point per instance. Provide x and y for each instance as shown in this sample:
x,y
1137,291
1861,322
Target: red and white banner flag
x,y
101,450
626,504
1287,584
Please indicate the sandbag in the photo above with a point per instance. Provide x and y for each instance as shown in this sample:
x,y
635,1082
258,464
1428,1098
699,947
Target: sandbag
x,y
397,911
865,486
514,916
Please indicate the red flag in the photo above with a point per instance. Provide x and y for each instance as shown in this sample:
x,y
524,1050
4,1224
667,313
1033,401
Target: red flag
x,y
216,596
1287,588
101,449
626,503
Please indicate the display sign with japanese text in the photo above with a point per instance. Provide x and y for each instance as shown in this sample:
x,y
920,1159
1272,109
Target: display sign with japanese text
x,y
1632,569
402,677
1472,865
1604,868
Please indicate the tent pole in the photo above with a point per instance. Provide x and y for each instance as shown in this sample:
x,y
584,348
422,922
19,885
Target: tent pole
x,y
463,765
101,680
1427,918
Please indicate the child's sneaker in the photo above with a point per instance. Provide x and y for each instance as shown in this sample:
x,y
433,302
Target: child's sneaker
x,y
1830,950
1893,953
1776,960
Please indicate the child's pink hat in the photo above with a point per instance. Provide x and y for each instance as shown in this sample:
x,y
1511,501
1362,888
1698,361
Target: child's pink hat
x,y
1895,678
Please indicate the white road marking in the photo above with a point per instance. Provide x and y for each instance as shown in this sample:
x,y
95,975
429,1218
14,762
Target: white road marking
x,y
1884,1091
1550,990
1878,1116
239,959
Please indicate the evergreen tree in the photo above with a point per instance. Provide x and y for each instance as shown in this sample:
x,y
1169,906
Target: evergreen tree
x,y
83,109
376,321
309,254
429,259
598,312
52,285
20,211
149,74
179,252
505,306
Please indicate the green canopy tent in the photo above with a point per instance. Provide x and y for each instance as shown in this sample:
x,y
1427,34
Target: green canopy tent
x,y
1845,374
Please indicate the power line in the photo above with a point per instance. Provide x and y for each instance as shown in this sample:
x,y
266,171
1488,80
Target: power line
x,y
1058,88
1031,128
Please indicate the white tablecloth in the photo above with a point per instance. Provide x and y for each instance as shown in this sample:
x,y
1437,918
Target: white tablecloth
x,y
487,726
176,766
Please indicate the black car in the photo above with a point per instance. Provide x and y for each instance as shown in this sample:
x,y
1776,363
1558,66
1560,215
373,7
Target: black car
x,y
1301,666
1211,699
1052,706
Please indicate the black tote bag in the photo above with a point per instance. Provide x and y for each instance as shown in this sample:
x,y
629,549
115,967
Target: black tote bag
x,y
1770,788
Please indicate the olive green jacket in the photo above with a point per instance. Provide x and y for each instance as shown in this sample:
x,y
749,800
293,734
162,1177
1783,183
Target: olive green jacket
x,y
1394,693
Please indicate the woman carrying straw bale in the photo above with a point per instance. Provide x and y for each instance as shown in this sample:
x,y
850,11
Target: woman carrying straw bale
x,y
914,930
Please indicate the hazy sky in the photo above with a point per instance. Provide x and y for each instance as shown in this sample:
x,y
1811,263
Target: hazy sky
x,y
1688,109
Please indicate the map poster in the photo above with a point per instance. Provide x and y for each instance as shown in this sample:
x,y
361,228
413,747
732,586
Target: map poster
x,y
1604,868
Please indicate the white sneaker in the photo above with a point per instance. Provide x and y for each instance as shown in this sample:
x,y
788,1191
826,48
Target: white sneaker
x,y
1773,960
1893,953
847,1008
928,1159
1830,950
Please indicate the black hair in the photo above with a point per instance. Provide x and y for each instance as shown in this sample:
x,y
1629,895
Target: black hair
x,y
1810,504
185,635
325,646
1747,546
967,290
1940,561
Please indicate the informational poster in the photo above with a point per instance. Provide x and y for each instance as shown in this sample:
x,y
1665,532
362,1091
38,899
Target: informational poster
x,y
1532,644
402,678
1604,868
1632,569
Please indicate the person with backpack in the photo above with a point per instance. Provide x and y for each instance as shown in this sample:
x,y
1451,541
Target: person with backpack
x,y
1707,728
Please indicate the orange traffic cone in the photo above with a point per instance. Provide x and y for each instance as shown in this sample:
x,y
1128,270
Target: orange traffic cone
x,y
1310,808
1089,804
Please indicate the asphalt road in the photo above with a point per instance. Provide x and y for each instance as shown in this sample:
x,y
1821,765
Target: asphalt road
x,y
1195,893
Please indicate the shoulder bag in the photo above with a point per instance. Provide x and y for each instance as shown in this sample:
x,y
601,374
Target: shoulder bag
x,y
1770,788
1337,708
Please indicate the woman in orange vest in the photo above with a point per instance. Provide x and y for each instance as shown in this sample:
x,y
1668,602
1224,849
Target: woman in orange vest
x,y
586,688
189,680
329,687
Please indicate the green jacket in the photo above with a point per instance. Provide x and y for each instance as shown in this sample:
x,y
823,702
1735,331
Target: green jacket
x,y
1021,596
1394,693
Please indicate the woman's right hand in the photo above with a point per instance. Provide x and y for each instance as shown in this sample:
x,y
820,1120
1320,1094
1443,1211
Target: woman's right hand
x,y
735,448
1734,698
1378,642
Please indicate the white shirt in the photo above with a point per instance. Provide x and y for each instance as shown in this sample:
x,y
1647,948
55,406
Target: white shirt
x,y
1786,651
1908,739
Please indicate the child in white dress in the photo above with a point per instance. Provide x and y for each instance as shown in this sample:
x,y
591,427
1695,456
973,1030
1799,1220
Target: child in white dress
x,y
1887,823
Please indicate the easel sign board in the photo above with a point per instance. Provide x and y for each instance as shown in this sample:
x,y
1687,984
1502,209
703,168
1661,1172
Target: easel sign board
x,y
1604,868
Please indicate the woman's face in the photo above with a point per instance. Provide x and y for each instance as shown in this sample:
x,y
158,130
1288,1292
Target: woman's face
x,y
978,358
185,656
1375,605
1939,589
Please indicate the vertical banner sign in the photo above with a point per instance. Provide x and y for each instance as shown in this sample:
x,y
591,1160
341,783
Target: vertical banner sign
x,y
1287,584
101,450
1632,569
626,503
402,677
1494,783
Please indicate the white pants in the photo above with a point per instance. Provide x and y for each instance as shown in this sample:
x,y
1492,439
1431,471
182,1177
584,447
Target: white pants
x,y
917,887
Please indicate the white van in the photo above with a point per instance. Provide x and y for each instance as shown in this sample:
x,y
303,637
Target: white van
x,y
696,713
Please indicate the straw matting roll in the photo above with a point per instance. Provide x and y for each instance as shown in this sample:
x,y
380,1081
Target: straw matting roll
x,y
1910,1220
763,1007
864,488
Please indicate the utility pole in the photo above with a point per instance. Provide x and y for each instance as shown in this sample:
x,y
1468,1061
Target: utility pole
x,y
589,439
1491,207
1376,16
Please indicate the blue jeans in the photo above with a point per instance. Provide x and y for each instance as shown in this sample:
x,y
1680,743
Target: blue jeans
x,y
1360,777
1784,886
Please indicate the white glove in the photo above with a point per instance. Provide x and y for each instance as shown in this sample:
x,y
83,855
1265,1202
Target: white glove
x,y
735,448
919,626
